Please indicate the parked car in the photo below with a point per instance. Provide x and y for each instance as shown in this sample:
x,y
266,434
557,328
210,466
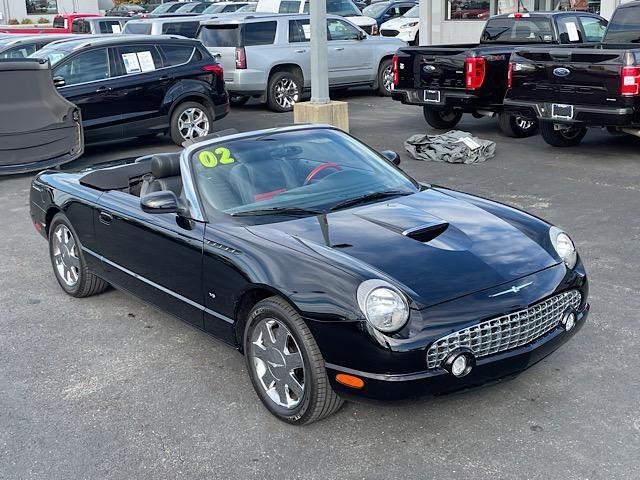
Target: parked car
x,y
38,128
126,10
98,25
249,7
334,272
21,46
571,89
194,7
405,27
61,24
449,80
226,7
384,11
130,86
342,8
268,56
186,26
167,7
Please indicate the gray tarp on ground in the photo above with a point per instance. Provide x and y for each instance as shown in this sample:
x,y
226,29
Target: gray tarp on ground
x,y
448,147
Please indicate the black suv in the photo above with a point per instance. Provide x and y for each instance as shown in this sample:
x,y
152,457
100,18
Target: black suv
x,y
140,86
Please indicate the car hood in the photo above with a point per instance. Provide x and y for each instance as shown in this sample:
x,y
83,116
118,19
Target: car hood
x,y
361,20
398,22
432,245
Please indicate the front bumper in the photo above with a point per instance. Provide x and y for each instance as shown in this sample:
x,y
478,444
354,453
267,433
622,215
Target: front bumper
x,y
449,99
583,115
438,381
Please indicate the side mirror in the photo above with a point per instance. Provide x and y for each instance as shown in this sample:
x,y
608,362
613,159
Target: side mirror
x,y
160,202
392,156
58,81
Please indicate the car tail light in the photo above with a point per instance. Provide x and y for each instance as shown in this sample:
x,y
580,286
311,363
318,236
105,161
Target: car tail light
x,y
395,70
241,58
510,75
375,30
475,68
630,81
216,69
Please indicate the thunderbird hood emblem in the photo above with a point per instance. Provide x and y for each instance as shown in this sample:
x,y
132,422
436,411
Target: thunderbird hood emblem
x,y
514,289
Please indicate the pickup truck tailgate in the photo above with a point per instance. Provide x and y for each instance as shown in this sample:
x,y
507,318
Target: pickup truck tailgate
x,y
588,77
444,68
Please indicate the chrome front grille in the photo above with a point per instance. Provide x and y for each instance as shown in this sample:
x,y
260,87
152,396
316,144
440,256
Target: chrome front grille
x,y
505,332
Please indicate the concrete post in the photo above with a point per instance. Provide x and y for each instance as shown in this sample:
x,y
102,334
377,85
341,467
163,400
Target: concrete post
x,y
319,62
426,22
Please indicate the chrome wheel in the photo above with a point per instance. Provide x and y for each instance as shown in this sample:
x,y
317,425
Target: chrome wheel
x,y
65,256
278,363
286,93
524,124
193,123
387,78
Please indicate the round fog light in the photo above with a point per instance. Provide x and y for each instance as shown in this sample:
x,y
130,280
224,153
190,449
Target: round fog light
x,y
459,365
569,321
459,362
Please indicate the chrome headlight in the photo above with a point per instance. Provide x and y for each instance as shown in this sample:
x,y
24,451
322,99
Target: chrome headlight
x,y
384,307
408,25
564,246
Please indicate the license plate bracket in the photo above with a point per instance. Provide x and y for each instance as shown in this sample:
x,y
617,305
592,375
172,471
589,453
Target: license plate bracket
x,y
432,96
562,111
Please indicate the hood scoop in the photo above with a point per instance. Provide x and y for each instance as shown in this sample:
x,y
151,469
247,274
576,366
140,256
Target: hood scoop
x,y
426,233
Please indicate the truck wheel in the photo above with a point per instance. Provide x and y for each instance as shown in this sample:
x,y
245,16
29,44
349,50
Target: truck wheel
x,y
441,119
516,126
285,364
569,137
283,91
385,78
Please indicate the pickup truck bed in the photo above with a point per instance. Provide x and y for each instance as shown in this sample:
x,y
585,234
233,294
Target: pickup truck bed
x,y
570,89
450,80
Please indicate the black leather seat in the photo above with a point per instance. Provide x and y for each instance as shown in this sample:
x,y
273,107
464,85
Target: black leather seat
x,y
165,174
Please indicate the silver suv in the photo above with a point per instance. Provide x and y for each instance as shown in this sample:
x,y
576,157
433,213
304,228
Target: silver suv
x,y
269,56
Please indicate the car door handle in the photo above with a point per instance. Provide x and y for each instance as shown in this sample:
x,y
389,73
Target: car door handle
x,y
338,48
103,89
302,50
164,77
106,218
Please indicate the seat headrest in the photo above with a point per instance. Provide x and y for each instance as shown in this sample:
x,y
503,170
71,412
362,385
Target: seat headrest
x,y
165,165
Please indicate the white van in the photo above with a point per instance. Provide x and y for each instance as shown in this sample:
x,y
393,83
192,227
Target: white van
x,y
343,8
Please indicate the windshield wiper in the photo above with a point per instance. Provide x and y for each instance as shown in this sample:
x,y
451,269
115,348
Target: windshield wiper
x,y
350,202
279,211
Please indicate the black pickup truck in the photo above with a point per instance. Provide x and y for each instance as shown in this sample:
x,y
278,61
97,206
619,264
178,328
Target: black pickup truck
x,y
449,80
570,89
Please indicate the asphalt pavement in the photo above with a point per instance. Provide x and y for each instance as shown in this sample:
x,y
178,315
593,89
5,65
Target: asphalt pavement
x,y
109,388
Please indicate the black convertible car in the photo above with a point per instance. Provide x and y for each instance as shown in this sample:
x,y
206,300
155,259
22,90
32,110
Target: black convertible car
x,y
335,273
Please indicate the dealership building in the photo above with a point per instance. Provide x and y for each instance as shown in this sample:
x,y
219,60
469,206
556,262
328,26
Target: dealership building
x,y
454,21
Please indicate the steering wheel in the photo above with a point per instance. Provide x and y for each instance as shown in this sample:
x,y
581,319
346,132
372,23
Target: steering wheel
x,y
320,168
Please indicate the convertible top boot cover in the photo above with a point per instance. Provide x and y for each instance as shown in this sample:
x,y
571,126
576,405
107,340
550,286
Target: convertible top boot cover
x,y
39,128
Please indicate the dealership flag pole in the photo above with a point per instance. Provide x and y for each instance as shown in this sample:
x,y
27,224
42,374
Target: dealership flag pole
x,y
319,62
426,22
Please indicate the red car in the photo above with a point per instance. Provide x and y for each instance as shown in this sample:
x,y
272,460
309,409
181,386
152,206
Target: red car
x,y
61,24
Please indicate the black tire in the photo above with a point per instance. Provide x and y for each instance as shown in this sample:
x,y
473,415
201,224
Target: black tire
x,y
176,135
293,85
441,119
87,283
561,138
239,100
384,70
517,127
318,399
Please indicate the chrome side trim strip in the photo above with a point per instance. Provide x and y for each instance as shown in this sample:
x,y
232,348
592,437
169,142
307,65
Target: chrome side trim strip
x,y
159,287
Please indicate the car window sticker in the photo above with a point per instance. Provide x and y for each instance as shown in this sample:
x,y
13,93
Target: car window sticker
x,y
146,61
131,63
572,30
220,155
115,28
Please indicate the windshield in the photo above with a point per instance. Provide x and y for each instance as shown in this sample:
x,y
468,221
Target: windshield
x,y
55,52
413,13
375,10
518,30
344,8
167,8
313,170
214,8
247,8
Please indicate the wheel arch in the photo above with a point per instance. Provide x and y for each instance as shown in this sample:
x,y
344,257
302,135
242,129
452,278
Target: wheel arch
x,y
52,211
191,97
293,68
376,73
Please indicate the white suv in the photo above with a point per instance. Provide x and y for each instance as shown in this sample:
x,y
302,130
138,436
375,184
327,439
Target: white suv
x,y
406,27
